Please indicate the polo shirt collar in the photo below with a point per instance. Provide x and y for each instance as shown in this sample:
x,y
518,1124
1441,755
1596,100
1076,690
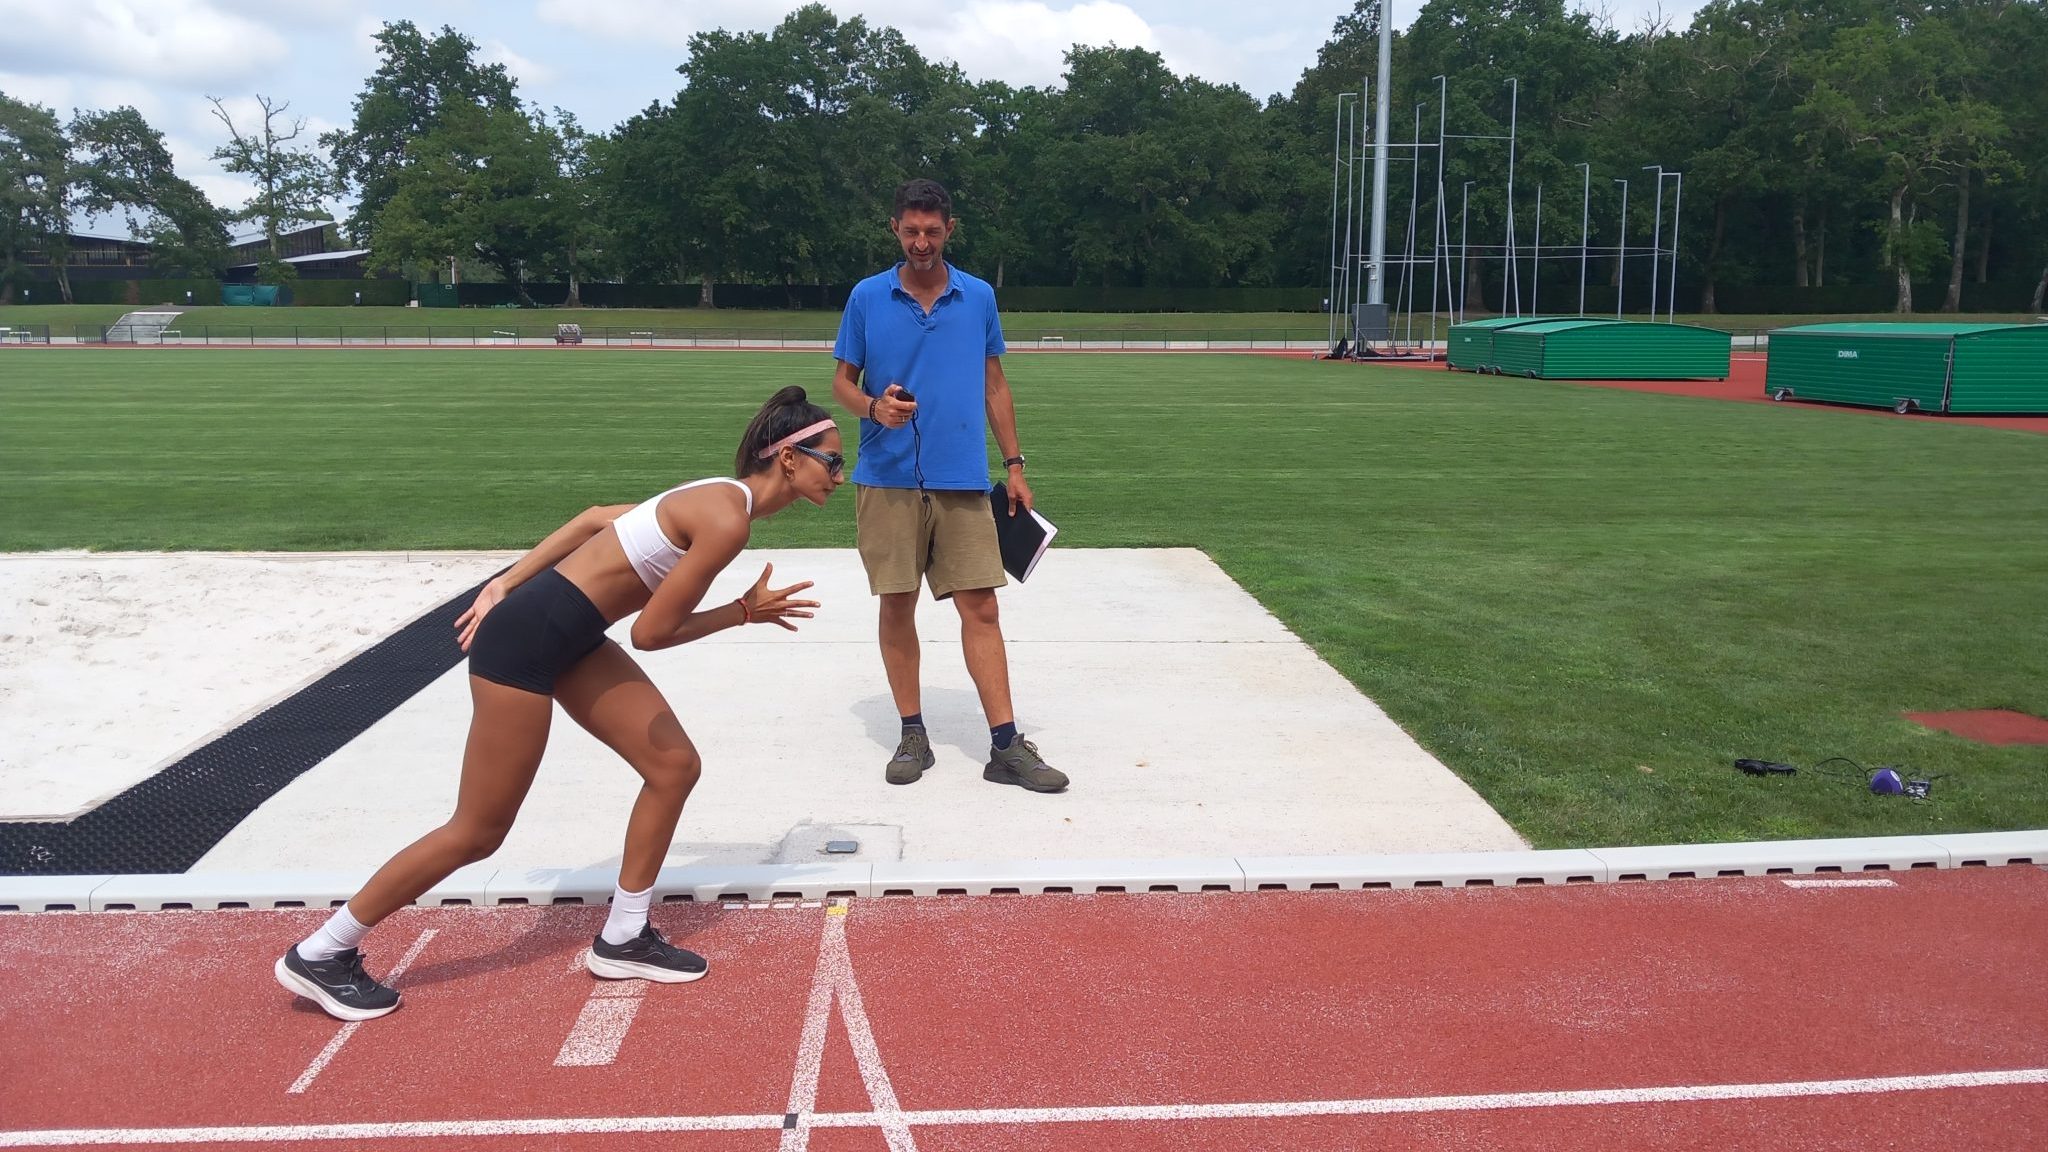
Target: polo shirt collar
x,y
952,281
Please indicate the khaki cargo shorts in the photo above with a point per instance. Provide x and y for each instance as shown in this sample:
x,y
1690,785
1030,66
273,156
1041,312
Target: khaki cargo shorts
x,y
948,540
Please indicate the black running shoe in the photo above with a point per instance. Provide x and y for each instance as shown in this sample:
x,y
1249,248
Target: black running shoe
x,y
648,956
339,986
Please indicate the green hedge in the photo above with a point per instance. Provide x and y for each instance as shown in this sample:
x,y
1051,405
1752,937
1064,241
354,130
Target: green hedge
x,y
552,295
1085,299
138,293
341,293
1782,299
206,293
832,297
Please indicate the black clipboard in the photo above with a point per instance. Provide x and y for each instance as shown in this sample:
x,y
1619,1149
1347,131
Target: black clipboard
x,y
1022,538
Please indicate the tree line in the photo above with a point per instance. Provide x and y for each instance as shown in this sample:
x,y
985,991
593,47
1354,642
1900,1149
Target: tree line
x,y
1823,142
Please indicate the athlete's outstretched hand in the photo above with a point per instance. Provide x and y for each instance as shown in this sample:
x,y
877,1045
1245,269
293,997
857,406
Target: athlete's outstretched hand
x,y
773,605
493,591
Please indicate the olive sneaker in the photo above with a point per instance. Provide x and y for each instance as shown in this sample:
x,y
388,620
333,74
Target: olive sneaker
x,y
913,756
1020,764
339,986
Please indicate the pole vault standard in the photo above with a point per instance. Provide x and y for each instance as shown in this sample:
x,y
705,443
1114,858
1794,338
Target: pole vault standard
x,y
1442,243
1510,288
1340,256
1656,235
1621,259
1358,325
1671,298
1414,203
1460,298
1585,219
1464,274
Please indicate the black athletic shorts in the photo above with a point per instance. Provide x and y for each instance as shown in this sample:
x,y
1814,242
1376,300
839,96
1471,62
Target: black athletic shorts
x,y
537,633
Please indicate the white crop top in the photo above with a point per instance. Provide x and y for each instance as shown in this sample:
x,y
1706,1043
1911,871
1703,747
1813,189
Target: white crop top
x,y
650,551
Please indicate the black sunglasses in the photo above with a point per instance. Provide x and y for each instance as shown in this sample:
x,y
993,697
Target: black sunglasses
x,y
834,463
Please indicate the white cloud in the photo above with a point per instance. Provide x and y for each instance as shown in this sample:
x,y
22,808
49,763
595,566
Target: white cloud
x,y
194,161
187,43
362,40
670,22
68,94
1261,65
1019,41
53,92
1024,41
523,70
297,12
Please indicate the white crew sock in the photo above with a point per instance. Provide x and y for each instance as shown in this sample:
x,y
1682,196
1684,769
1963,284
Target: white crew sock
x,y
341,933
629,915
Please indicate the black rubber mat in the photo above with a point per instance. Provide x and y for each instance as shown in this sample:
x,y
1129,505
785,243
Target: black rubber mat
x,y
167,822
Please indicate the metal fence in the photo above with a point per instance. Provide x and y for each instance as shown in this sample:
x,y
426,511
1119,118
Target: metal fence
x,y
545,335
810,339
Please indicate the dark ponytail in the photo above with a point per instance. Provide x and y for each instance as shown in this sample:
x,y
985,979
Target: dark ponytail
x,y
788,411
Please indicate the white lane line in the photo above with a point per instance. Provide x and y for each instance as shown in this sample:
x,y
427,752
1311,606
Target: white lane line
x,y
1841,884
832,980
327,1054
601,1027
881,1093
611,1125
810,1049
1677,1094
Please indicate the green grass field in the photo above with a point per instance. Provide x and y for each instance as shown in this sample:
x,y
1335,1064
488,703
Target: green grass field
x,y
1587,601
325,323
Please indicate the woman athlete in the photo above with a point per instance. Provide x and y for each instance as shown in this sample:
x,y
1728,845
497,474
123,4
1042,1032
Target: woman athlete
x,y
536,636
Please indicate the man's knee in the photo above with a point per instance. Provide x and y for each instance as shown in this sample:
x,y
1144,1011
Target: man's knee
x,y
977,606
899,607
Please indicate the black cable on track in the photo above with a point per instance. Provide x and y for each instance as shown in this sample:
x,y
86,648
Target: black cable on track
x,y
166,823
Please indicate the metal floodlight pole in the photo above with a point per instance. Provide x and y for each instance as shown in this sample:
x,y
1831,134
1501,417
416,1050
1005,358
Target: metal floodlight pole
x,y
1376,286
1671,298
1656,236
1464,277
1585,218
1621,252
1536,257
1508,284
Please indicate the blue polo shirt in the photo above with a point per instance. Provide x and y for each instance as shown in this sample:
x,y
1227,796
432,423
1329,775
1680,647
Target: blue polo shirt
x,y
940,357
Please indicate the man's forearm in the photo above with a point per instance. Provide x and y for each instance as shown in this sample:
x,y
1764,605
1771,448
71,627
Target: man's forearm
x,y
846,390
1002,419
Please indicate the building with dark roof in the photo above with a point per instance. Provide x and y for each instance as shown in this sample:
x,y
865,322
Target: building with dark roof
x,y
313,249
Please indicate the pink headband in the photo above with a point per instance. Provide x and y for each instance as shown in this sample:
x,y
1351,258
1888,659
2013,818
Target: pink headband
x,y
796,437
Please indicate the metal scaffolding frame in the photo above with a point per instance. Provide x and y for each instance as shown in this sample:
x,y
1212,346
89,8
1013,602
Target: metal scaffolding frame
x,y
1365,323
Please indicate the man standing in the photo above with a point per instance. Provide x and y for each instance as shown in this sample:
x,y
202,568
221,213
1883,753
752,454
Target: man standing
x,y
919,356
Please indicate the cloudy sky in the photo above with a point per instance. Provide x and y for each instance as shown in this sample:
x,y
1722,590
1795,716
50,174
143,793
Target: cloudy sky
x,y
601,59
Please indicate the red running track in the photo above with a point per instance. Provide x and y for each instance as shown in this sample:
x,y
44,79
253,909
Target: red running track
x,y
1902,1011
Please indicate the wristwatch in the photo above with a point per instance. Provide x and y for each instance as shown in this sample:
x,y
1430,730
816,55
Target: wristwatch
x,y
1013,461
